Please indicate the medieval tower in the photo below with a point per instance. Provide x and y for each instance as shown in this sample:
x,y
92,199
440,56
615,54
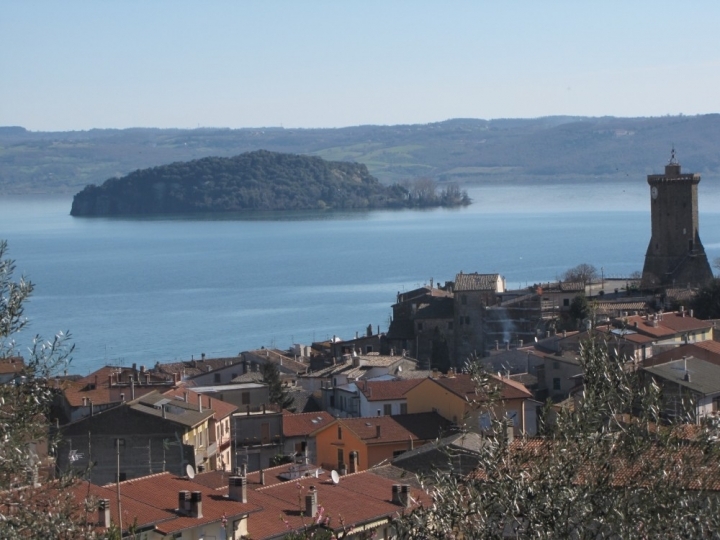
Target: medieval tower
x,y
675,256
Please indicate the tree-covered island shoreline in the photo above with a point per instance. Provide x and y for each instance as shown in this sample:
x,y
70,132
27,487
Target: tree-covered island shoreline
x,y
257,181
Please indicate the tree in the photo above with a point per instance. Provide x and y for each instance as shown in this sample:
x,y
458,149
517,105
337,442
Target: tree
x,y
609,465
582,273
706,304
32,506
278,394
579,310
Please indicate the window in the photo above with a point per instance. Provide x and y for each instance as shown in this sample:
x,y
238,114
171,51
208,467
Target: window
x,y
217,378
246,398
396,453
403,408
368,349
566,302
387,409
339,433
341,458
556,383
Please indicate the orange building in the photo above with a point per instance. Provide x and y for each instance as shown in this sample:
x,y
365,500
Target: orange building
x,y
356,444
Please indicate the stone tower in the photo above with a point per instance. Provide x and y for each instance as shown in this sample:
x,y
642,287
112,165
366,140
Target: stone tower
x,y
675,256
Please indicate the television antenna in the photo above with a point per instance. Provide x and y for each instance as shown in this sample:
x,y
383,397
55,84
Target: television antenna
x,y
335,477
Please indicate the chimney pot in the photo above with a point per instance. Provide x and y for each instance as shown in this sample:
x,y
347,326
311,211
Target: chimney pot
x,y
238,489
311,503
104,512
196,504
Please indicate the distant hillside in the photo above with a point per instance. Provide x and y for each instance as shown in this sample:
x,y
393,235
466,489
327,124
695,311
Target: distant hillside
x,y
259,180
552,149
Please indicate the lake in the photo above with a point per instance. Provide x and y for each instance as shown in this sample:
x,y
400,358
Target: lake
x,y
162,289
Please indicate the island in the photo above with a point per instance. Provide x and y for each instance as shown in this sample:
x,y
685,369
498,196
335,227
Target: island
x,y
253,181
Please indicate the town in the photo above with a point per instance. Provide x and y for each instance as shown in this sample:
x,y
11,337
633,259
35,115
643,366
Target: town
x,y
343,434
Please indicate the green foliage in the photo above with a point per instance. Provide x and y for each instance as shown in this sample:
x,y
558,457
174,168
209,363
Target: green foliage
x,y
706,304
561,148
258,180
30,506
579,310
278,394
609,466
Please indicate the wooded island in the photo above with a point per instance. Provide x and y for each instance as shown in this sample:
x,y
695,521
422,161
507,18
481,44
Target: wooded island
x,y
259,180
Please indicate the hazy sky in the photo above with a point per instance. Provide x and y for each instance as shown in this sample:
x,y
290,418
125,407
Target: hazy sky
x,y
83,64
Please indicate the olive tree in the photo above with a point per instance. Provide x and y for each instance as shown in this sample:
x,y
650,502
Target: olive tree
x,y
608,465
32,505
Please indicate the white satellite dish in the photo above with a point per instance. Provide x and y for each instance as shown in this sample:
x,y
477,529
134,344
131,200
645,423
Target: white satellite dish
x,y
190,471
335,477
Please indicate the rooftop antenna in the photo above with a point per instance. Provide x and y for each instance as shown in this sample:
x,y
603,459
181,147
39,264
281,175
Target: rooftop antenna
x,y
673,159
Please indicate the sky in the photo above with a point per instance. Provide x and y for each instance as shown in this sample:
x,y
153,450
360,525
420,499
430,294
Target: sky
x,y
76,65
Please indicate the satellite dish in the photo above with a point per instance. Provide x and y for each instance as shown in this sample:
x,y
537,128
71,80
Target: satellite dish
x,y
190,471
335,477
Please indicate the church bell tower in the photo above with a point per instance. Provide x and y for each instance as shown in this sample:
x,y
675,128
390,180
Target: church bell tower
x,y
675,256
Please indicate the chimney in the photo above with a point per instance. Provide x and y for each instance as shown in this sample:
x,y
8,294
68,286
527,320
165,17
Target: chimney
x,y
185,396
691,313
311,503
85,401
262,476
520,343
243,470
200,402
196,504
411,443
238,489
104,512
164,412
404,495
396,494
209,403
377,431
142,369
132,388
92,408
353,462
184,501
122,397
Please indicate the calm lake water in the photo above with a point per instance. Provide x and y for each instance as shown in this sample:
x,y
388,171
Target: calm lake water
x,y
147,290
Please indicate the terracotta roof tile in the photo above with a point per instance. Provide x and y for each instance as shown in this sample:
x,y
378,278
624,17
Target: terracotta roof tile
x,y
463,386
386,390
13,364
476,282
302,424
221,408
397,428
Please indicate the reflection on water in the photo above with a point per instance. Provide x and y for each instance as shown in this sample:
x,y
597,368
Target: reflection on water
x,y
146,290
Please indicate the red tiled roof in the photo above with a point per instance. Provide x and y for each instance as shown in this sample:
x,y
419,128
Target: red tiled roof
x,y
386,390
298,425
357,499
221,408
463,386
13,364
397,428
161,491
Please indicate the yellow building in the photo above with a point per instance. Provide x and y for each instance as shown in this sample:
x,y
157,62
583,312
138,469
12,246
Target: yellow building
x,y
454,397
